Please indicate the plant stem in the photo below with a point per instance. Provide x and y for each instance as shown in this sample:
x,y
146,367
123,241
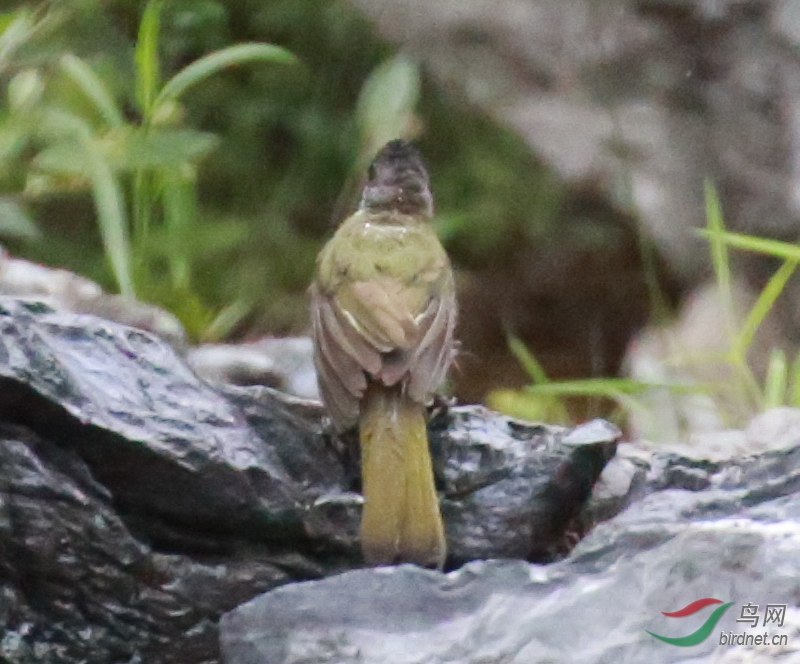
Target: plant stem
x,y
142,215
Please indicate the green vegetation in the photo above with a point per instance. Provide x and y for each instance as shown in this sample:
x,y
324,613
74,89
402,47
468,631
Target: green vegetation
x,y
547,400
739,390
196,153
780,385
152,162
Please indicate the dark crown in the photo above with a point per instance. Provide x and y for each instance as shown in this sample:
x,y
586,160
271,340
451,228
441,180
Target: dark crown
x,y
397,180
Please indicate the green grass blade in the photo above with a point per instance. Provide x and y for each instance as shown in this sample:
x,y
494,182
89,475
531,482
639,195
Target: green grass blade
x,y
15,222
148,75
775,383
92,87
111,215
226,320
537,408
745,385
6,19
386,105
527,360
152,148
659,306
18,28
608,387
759,245
794,394
215,62
144,199
763,305
719,251
179,196
108,197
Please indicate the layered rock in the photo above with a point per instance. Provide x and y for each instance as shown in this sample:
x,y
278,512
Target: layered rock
x,y
138,502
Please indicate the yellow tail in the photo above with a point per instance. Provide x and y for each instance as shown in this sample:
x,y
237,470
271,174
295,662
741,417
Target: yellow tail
x,y
401,520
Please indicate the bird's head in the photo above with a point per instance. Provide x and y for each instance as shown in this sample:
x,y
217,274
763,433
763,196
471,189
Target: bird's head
x,y
398,181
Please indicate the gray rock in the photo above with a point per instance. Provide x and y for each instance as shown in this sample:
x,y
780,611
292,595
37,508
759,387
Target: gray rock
x,y
283,363
181,451
78,586
774,429
66,290
139,502
693,529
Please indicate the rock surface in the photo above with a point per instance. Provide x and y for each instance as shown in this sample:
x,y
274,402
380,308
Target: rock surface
x,y
66,290
286,364
138,502
637,101
692,528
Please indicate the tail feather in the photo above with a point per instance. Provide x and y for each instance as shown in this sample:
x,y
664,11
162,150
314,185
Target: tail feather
x,y
401,518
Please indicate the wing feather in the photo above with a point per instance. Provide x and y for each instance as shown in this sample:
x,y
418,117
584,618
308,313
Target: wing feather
x,y
340,377
384,330
435,353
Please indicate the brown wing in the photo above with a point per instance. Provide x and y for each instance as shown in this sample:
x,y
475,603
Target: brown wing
x,y
436,351
341,359
371,329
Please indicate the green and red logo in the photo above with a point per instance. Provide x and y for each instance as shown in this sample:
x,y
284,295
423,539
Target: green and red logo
x,y
706,628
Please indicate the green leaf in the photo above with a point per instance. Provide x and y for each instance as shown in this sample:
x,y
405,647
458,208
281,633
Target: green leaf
x,y
226,320
527,360
148,148
110,206
758,244
179,196
763,305
775,382
144,199
148,76
215,62
537,408
13,140
63,158
130,150
92,87
202,240
17,29
386,105
719,252
794,397
24,91
57,123
6,18
612,388
14,222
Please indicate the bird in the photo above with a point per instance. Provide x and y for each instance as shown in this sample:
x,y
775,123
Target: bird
x,y
383,317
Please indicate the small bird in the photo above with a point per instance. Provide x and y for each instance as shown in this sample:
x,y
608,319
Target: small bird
x,y
383,311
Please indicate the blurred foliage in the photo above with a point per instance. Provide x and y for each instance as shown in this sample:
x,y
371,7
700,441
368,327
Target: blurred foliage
x,y
547,400
738,393
229,190
781,383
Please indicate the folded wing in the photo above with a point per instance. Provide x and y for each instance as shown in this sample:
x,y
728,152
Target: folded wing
x,y
382,330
